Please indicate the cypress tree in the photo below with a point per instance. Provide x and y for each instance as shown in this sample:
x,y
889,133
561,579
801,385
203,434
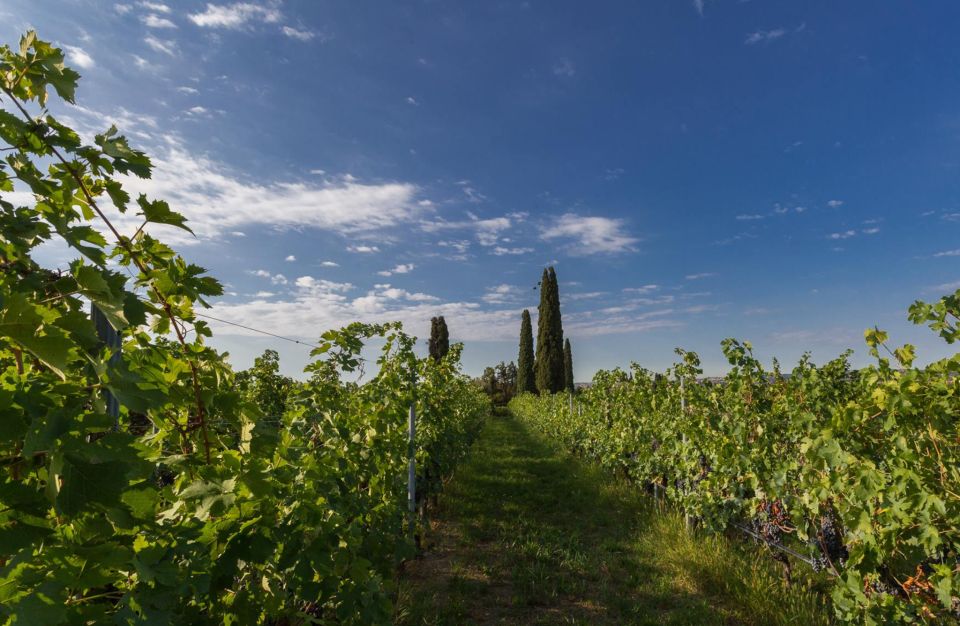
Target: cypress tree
x,y
559,374
525,379
439,338
548,365
567,366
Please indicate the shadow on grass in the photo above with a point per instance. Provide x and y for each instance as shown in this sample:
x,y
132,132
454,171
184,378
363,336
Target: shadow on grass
x,y
526,534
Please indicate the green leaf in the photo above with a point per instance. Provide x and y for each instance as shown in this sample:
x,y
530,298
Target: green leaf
x,y
158,212
30,326
86,483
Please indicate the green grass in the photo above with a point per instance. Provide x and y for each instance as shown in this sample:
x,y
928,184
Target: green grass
x,y
527,534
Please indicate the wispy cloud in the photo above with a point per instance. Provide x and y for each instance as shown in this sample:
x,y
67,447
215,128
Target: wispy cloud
x,y
746,217
590,235
329,264
363,249
846,234
700,276
276,279
403,268
235,16
586,295
698,6
764,36
155,21
501,251
955,252
300,34
160,45
835,204
645,289
290,258
78,56
156,7
488,230
187,90
501,294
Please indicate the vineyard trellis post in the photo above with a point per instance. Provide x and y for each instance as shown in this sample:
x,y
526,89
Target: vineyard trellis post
x,y
412,466
108,335
683,415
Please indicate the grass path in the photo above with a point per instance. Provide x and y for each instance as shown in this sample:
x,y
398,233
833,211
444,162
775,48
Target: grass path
x,y
527,534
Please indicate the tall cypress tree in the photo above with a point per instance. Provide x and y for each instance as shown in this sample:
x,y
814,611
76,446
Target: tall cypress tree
x,y
525,378
559,375
439,338
549,358
567,366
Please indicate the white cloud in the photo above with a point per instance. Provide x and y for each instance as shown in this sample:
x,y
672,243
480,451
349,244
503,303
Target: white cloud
x,y
363,249
89,122
187,90
122,9
290,258
746,217
501,251
235,16
216,200
698,5
835,204
589,295
403,268
155,21
501,294
645,289
142,63
329,264
590,235
765,36
79,57
870,231
161,45
412,101
276,279
700,275
955,252
156,7
488,230
298,34
197,111
842,235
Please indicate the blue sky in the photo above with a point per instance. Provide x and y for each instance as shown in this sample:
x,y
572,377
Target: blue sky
x,y
782,172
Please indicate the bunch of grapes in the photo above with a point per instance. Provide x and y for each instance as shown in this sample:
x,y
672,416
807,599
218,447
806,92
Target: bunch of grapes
x,y
772,521
830,541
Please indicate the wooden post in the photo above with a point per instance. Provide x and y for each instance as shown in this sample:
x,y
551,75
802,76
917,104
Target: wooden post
x,y
111,338
683,415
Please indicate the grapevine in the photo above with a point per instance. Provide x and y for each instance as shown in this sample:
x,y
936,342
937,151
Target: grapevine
x,y
853,471
211,499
